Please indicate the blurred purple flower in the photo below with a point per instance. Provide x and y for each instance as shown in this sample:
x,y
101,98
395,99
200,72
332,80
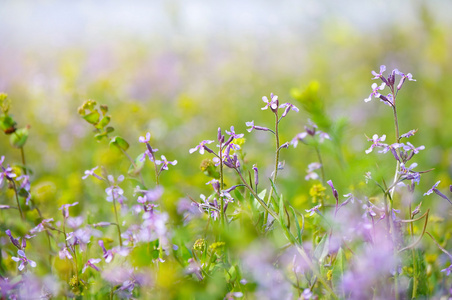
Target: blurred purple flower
x,y
41,226
313,210
23,260
7,172
408,76
289,107
448,270
114,191
146,139
65,209
201,147
436,191
91,263
91,173
252,126
164,162
311,168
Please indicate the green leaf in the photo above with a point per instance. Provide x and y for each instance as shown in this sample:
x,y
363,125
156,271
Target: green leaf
x,y
297,224
321,251
338,271
103,109
281,211
119,143
103,122
134,170
19,137
93,117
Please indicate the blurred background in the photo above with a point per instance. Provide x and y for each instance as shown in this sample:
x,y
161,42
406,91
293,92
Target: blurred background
x,y
181,69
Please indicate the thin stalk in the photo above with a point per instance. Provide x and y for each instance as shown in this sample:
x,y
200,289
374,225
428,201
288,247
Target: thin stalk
x,y
397,137
222,214
22,154
413,255
275,172
117,221
322,169
17,200
133,163
264,205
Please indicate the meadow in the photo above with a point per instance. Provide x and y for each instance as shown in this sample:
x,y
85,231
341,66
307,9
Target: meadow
x,y
315,167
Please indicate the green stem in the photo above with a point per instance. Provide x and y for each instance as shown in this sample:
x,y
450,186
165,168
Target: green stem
x,y
275,172
17,200
322,169
222,214
117,221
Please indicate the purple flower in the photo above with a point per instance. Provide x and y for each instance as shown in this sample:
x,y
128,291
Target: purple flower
x,y
408,76
64,253
376,142
448,270
335,193
41,226
436,191
299,137
201,147
313,210
379,75
91,173
273,104
23,260
7,172
194,268
108,254
65,209
252,126
256,175
233,134
288,107
375,89
14,241
149,195
164,162
409,133
311,168
114,191
146,139
90,263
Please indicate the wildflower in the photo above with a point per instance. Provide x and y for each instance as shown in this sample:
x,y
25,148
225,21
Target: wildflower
x,y
65,209
201,147
335,193
16,242
91,173
311,168
108,255
256,175
114,191
200,244
379,75
288,107
233,295
313,210
409,133
65,253
252,126
146,139
408,76
436,191
375,93
23,260
91,263
164,162
299,137
194,268
376,142
7,172
41,226
448,270
273,104
233,134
